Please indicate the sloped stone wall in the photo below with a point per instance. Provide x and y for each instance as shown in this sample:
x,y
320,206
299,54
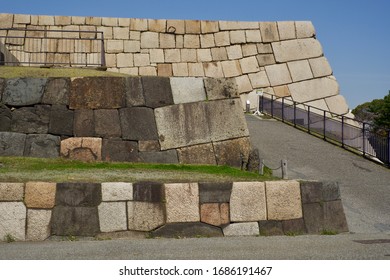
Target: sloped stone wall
x,y
136,119
283,58
37,210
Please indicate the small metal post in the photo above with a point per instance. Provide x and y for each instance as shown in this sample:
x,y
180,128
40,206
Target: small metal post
x,y
261,167
295,114
284,169
282,109
272,106
342,131
324,125
388,148
103,53
262,103
308,119
364,139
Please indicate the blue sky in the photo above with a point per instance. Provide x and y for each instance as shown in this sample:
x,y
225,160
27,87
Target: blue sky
x,y
355,35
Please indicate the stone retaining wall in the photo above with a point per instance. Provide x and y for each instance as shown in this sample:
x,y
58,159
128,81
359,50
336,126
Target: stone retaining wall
x,y
38,210
136,119
284,58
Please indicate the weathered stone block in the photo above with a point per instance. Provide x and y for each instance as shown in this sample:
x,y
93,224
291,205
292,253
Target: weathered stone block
x,y
40,195
13,220
31,119
222,38
305,29
57,91
313,89
300,70
12,144
283,200
195,70
215,192
314,217
231,68
76,221
249,65
242,229
296,49
5,117
148,146
219,54
259,80
141,59
237,37
117,191
234,52
204,55
249,50
134,92
220,88
198,154
269,32
157,91
138,123
213,69
248,202
233,152
182,202
320,67
131,46
107,124
97,93
119,150
207,41
164,70
84,123
334,217
337,104
23,91
243,84
11,191
253,36
270,228
278,74
286,30
172,55
156,56
294,227
144,216
187,230
265,59
61,120
148,192
42,145
82,148
238,25
138,24
149,40
186,90
192,26
78,194
209,26
177,25
38,224
112,216
215,214
157,25
169,156
180,69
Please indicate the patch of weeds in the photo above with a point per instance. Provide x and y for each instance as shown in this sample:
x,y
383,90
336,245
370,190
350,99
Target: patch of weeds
x,y
149,235
292,233
9,238
328,232
97,238
72,238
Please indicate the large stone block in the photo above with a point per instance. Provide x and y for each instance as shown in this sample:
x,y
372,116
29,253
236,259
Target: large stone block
x,y
220,88
11,191
168,156
42,146
119,150
291,50
215,192
243,84
186,90
314,89
149,40
148,146
294,227
31,119
232,152
145,216
337,104
215,214
313,191
300,70
248,202
249,65
112,216
213,69
305,29
78,194
5,117
187,230
84,123
265,59
198,154
40,195
270,228
283,200
182,202
138,123
23,91
242,229
278,74
107,123
209,26
320,67
231,68
253,36
157,91
13,220
134,92
269,32
148,191
38,224
97,93
82,148
259,80
234,52
57,91
238,25
61,120
12,144
117,191
286,30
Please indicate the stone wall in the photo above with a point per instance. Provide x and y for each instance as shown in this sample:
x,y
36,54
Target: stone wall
x,y
136,119
37,210
283,58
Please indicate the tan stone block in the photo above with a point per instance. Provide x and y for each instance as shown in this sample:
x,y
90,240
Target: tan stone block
x,y
248,202
110,60
219,54
82,148
141,59
191,41
204,55
135,35
238,25
249,50
62,20
222,38
305,29
82,46
172,55
132,71
124,22
180,69
78,20
145,216
149,40
243,84
157,25
40,195
209,26
192,26
296,49
6,20
213,69
179,41
107,31
320,67
234,52
97,21
114,46
11,191
38,224
265,59
195,70
125,60
182,202
337,104
188,55
286,30
278,74
259,80
23,19
300,70
269,32
156,56
282,91
314,89
249,65
87,34
215,214
231,68
176,26
147,71
121,33
237,37
138,24
164,70
283,200
131,46
45,20
253,36
264,48
198,154
207,41
108,21
167,41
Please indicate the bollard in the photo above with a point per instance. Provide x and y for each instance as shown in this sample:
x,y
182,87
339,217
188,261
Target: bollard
x,y
248,106
284,169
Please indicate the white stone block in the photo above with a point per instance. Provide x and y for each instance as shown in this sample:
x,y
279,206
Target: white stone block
x,y
286,30
13,220
145,216
278,74
182,202
112,216
259,80
300,70
242,229
337,104
313,89
249,65
299,49
186,90
38,224
305,29
320,67
117,191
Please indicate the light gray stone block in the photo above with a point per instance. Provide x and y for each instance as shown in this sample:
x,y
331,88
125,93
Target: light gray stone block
x,y
11,191
13,220
337,104
242,229
186,90
291,50
269,31
243,84
145,216
248,202
149,40
286,30
12,143
249,65
320,67
283,200
300,70
182,202
198,154
38,224
112,216
23,91
305,29
314,89
117,191
278,74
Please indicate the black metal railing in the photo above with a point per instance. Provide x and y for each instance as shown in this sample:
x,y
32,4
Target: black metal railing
x,y
41,47
347,132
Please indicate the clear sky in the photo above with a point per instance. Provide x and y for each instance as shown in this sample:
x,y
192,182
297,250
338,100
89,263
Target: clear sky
x,y
355,35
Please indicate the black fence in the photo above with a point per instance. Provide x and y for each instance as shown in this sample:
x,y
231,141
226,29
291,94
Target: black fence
x,y
348,133
41,47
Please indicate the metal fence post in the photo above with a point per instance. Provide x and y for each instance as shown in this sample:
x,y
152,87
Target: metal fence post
x,y
282,109
324,125
103,53
388,148
295,114
308,119
342,131
272,106
364,139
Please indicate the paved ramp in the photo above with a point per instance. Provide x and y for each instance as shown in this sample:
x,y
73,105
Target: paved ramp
x,y
364,185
